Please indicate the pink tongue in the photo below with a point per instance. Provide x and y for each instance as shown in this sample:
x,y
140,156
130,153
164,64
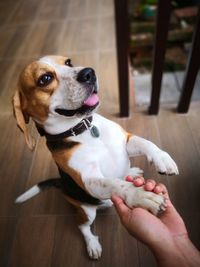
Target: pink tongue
x,y
92,100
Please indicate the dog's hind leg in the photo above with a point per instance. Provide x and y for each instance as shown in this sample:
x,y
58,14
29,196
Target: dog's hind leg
x,y
87,215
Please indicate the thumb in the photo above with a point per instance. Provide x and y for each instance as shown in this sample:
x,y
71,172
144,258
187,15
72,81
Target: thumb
x,y
121,208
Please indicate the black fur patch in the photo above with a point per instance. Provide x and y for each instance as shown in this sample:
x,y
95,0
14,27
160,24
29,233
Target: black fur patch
x,y
71,189
54,182
60,144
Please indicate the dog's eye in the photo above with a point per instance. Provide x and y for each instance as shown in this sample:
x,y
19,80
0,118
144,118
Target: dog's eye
x,y
68,62
45,79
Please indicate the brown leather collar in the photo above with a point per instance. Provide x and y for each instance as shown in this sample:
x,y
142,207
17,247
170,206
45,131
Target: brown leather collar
x,y
81,127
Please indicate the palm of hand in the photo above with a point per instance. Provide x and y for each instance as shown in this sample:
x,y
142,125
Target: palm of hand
x,y
145,226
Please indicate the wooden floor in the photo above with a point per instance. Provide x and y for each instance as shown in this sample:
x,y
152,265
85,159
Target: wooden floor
x,y
43,232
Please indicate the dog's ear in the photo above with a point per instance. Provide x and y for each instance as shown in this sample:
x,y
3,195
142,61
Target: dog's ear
x,y
22,118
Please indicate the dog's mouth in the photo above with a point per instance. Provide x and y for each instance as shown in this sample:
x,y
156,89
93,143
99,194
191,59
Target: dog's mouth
x,y
89,104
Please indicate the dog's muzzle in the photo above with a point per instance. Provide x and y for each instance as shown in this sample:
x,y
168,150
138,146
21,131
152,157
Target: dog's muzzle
x,y
87,77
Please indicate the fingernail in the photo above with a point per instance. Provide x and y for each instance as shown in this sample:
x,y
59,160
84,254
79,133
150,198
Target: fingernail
x,y
129,178
158,188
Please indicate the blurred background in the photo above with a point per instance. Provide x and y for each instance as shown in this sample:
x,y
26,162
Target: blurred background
x,y
183,17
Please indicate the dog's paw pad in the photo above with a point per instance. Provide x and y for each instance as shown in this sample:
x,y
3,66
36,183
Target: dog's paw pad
x,y
156,204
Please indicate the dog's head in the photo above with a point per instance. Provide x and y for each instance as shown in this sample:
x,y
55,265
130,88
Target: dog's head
x,y
52,89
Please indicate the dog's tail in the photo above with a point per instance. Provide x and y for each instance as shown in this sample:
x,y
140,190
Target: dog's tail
x,y
36,189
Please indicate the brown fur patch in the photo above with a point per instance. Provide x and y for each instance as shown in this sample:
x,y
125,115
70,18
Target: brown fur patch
x,y
126,134
22,119
72,201
82,216
62,158
36,99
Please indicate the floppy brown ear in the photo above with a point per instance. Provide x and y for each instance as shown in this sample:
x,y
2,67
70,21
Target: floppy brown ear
x,y
22,119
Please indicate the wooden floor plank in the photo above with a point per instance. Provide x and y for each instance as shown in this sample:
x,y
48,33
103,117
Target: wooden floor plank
x,y
146,257
76,9
84,41
17,41
5,76
9,80
69,246
7,232
25,13
14,165
109,98
58,8
7,8
184,189
176,138
192,119
119,248
37,35
34,242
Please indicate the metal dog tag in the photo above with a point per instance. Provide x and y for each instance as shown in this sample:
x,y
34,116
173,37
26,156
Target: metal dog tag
x,y
94,131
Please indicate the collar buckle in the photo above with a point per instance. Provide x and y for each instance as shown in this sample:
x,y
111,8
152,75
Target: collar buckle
x,y
87,124
72,132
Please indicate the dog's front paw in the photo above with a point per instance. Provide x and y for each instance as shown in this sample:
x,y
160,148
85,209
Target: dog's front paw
x,y
94,248
163,162
138,197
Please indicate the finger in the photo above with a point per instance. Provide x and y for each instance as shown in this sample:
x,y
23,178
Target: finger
x,y
129,178
158,189
161,188
121,208
149,185
137,181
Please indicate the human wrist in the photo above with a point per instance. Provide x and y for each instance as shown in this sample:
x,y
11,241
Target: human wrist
x,y
189,252
177,252
167,253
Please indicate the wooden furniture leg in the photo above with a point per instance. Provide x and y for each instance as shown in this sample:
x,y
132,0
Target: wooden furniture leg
x,y
122,41
191,70
162,25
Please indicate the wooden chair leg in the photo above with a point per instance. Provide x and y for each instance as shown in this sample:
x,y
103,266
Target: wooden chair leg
x,y
162,25
191,70
122,40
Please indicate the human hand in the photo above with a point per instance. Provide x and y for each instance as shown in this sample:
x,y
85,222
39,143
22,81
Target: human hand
x,y
149,229
166,235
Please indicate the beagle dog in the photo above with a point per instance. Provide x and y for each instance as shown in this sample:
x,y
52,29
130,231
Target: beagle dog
x,y
91,152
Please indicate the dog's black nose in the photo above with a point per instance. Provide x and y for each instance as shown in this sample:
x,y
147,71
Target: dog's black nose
x,y
86,75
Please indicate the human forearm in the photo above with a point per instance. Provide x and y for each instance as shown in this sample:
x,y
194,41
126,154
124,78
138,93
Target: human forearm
x,y
188,251
180,253
166,235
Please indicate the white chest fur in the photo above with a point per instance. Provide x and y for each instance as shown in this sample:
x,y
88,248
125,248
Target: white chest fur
x,y
106,153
